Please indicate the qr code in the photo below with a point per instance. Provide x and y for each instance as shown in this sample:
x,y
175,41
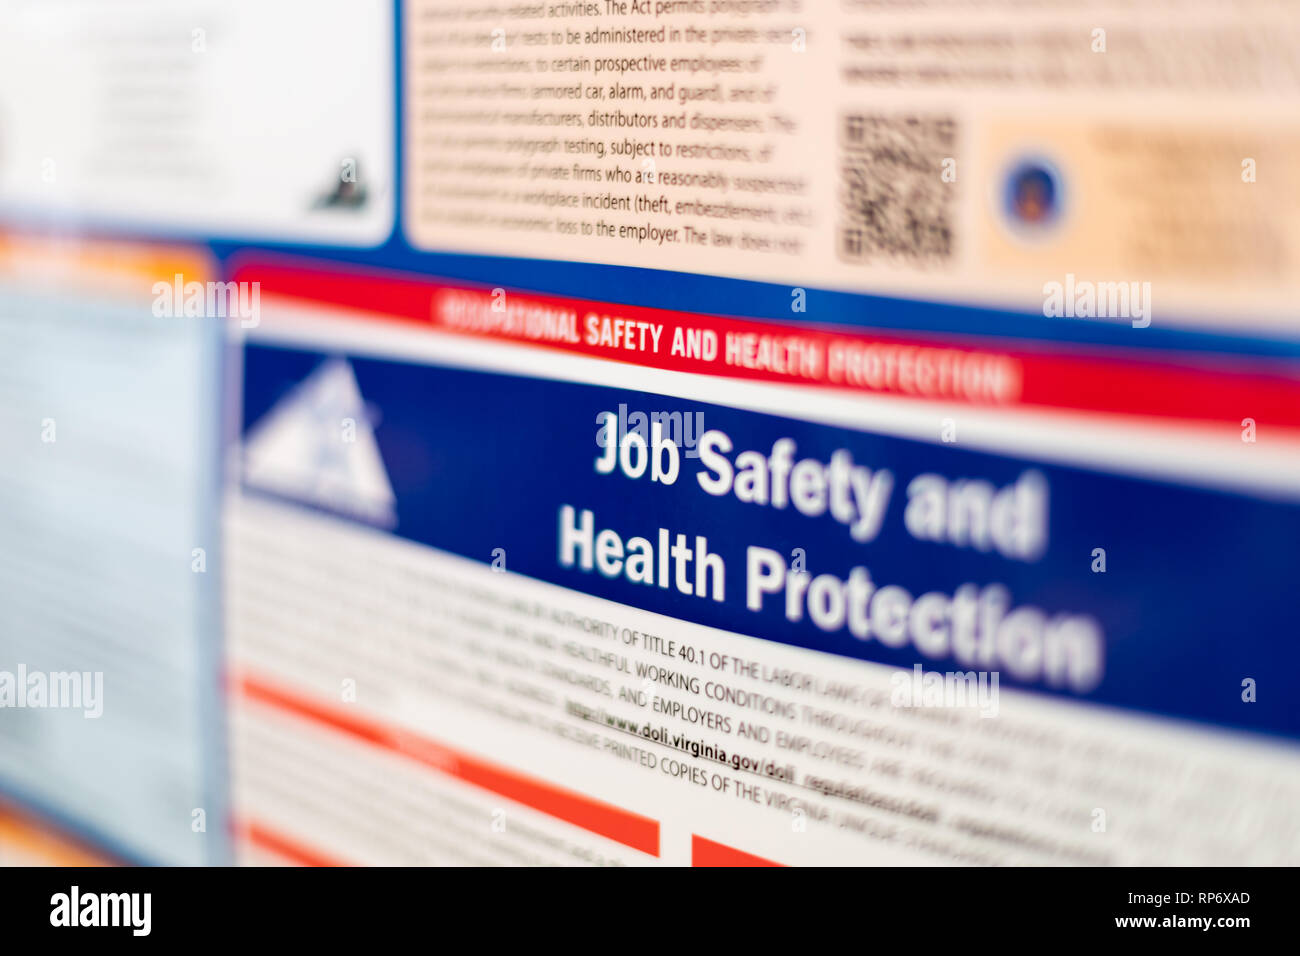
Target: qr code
x,y
898,189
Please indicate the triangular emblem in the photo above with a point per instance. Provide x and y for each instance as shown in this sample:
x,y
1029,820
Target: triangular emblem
x,y
316,445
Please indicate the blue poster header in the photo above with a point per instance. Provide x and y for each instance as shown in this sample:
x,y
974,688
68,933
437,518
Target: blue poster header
x,y
1068,582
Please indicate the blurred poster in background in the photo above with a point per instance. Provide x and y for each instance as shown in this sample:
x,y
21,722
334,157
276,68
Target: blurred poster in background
x,y
737,432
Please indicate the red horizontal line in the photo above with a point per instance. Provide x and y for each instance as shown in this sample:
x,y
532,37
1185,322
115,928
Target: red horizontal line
x,y
287,847
622,826
705,852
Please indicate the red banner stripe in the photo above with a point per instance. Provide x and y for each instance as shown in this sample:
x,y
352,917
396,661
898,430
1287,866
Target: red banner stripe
x,y
1199,389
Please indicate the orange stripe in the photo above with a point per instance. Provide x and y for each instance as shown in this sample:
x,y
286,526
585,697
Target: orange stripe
x,y
622,826
284,846
43,842
84,262
708,853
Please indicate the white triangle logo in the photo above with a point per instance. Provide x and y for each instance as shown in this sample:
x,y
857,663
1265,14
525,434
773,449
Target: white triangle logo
x,y
316,445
